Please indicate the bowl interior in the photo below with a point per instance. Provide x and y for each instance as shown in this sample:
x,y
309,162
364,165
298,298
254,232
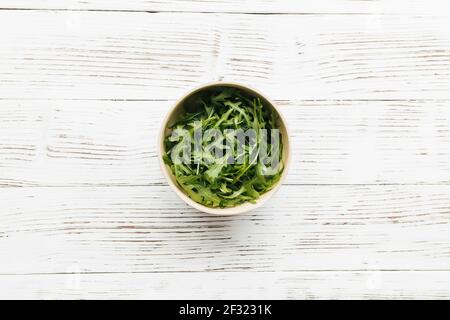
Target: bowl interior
x,y
183,104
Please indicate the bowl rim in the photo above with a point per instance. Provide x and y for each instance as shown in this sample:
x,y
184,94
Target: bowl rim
x,y
239,209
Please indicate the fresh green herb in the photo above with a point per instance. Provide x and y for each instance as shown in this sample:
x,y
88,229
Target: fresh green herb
x,y
232,176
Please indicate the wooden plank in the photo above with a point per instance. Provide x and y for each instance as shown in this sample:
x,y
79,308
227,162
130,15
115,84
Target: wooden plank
x,y
73,54
148,229
76,143
243,6
231,285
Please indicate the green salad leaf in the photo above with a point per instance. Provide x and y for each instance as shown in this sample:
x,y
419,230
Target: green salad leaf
x,y
232,176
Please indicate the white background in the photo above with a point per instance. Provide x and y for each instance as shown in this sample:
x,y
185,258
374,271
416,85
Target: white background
x,y
85,211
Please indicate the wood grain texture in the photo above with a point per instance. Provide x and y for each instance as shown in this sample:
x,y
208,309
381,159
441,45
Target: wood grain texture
x,y
435,7
148,229
85,212
76,143
132,55
231,285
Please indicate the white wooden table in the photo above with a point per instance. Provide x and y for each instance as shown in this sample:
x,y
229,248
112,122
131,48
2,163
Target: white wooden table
x,y
85,211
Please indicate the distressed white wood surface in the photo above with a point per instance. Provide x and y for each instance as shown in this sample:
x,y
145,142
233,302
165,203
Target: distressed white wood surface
x,y
86,142
148,229
232,285
435,7
138,55
85,212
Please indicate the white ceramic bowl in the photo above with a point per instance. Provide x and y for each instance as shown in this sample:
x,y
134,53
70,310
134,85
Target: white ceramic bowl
x,y
171,118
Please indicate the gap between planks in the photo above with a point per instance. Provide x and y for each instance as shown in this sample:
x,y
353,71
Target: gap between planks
x,y
222,271
192,12
99,185
336,7
274,100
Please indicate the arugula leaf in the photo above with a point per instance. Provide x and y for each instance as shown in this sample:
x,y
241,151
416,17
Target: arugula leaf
x,y
212,180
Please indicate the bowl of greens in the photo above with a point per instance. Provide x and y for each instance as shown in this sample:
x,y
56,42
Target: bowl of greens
x,y
224,148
